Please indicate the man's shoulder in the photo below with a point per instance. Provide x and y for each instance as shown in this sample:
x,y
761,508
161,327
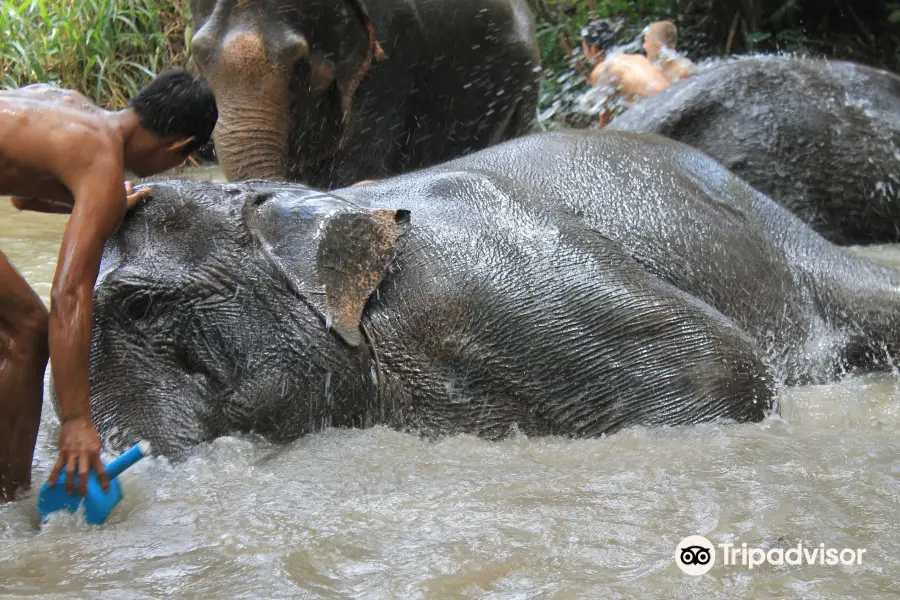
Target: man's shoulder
x,y
630,61
639,59
53,93
630,65
56,103
82,142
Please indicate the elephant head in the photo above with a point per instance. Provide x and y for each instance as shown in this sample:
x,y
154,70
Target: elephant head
x,y
272,63
242,312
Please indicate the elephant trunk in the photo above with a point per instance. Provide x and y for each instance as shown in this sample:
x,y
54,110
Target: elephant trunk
x,y
250,79
251,136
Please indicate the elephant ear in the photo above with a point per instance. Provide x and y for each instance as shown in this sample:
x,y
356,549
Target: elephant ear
x,y
363,11
332,252
355,250
349,77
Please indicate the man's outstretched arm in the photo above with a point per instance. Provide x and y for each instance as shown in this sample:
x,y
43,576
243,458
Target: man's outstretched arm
x,y
98,210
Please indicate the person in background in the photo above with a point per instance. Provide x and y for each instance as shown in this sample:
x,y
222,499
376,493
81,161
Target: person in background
x,y
628,77
59,153
660,41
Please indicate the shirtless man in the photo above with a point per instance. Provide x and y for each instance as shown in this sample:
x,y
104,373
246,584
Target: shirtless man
x,y
59,153
659,44
629,76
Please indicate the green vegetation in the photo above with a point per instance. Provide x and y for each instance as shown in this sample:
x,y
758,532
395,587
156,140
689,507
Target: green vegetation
x,y
106,49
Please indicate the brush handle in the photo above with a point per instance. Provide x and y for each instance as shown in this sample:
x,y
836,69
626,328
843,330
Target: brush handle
x,y
131,456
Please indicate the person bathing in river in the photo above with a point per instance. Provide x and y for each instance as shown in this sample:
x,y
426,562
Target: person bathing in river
x,y
60,153
631,77
628,77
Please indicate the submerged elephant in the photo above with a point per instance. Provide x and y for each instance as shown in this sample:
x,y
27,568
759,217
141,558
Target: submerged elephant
x,y
330,92
821,137
564,283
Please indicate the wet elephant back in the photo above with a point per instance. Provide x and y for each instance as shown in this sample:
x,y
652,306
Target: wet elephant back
x,y
822,138
675,211
488,292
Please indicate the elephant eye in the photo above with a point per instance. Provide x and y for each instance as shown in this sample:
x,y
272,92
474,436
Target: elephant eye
x,y
138,307
136,302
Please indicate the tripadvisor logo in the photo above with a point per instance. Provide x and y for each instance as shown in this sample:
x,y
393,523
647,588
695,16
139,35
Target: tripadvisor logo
x,y
696,555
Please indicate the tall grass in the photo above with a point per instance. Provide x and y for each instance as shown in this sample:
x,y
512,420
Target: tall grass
x,y
106,49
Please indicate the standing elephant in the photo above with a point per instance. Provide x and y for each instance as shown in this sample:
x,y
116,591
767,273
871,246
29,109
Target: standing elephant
x,y
563,283
821,137
330,92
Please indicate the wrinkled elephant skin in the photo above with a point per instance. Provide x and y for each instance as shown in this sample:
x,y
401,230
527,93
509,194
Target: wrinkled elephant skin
x,y
820,137
566,283
330,92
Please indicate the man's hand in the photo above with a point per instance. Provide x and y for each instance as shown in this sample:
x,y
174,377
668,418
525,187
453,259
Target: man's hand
x,y
79,449
132,197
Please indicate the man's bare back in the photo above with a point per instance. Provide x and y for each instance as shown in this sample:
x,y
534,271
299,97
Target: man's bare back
x,y
632,75
61,153
48,137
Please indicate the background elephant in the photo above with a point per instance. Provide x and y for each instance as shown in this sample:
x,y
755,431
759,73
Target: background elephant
x,y
329,92
821,137
569,282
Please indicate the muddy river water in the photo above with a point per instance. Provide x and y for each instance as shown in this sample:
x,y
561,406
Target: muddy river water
x,y
380,514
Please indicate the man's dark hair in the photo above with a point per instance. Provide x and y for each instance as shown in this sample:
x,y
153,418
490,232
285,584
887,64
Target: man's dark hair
x,y
602,33
177,103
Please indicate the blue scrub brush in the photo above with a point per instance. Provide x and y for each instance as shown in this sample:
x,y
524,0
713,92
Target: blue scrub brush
x,y
97,504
